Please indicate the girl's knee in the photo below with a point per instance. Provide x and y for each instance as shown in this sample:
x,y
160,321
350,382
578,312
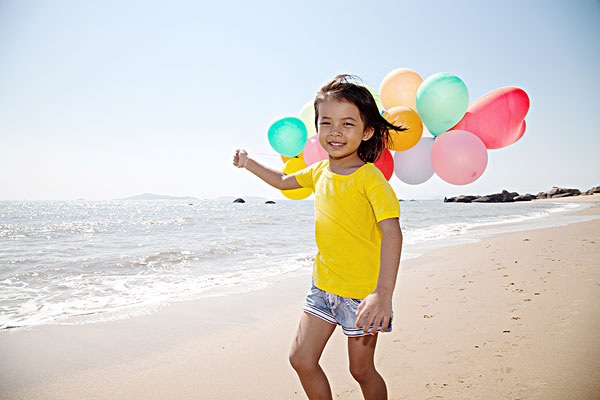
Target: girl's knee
x,y
301,363
363,373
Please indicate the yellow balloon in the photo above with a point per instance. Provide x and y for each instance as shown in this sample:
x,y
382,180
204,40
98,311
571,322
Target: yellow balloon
x,y
291,166
404,140
307,115
285,159
399,88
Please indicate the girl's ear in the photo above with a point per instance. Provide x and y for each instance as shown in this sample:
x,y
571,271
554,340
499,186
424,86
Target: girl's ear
x,y
368,133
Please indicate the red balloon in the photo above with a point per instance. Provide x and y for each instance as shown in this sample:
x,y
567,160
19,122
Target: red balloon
x,y
385,163
497,118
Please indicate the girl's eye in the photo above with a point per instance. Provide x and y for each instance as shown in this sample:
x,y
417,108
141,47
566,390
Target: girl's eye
x,y
324,123
348,124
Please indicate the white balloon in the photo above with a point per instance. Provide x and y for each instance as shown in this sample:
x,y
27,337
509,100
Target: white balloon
x,y
413,166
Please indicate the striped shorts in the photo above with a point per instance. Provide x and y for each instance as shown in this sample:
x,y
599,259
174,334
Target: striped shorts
x,y
337,310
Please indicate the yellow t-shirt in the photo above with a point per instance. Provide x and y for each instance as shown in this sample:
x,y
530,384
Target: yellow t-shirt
x,y
347,211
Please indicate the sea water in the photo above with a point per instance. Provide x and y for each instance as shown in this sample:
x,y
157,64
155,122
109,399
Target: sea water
x,y
61,261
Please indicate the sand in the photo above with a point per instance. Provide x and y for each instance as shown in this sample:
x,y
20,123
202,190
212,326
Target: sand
x,y
514,316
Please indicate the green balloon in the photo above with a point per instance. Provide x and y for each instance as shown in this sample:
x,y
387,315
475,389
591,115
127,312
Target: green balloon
x,y
376,97
288,136
442,100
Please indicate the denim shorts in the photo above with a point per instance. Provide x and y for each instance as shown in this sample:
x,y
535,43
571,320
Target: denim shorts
x,y
337,310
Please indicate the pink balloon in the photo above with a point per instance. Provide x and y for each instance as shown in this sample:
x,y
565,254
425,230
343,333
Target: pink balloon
x,y
385,163
458,157
497,118
313,151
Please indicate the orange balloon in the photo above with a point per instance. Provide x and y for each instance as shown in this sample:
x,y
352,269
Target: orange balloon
x,y
404,140
399,88
286,159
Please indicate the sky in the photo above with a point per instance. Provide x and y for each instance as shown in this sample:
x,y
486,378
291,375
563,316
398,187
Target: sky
x,y
109,99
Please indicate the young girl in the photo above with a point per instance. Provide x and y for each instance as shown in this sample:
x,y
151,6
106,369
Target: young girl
x,y
357,233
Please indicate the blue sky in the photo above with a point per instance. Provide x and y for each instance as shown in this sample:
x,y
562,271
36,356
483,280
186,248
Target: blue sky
x,y
109,99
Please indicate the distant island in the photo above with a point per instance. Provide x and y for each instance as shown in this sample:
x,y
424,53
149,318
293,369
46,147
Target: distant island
x,y
152,196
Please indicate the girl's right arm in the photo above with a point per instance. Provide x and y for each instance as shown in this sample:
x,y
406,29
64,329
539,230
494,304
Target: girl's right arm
x,y
273,177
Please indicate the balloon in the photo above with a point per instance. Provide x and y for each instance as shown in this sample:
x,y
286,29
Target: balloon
x,y
458,157
376,97
404,140
287,136
497,118
399,88
285,159
413,166
295,165
307,115
385,163
314,152
442,100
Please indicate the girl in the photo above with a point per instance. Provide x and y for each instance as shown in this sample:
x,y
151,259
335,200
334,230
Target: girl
x,y
357,233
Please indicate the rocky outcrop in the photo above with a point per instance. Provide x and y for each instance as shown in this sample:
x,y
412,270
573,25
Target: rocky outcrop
x,y
509,197
525,197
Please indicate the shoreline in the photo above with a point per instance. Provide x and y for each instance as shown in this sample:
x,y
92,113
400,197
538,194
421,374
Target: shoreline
x,y
236,345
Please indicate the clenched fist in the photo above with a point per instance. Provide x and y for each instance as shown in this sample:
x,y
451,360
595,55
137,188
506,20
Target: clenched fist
x,y
240,158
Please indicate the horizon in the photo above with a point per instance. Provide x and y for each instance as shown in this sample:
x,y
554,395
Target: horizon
x,y
102,101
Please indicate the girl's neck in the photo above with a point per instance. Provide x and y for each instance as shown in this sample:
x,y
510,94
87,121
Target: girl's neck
x,y
345,165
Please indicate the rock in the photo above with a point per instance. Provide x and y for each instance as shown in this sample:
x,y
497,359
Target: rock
x,y
557,192
460,199
541,195
558,196
239,200
269,202
595,189
465,199
482,199
525,197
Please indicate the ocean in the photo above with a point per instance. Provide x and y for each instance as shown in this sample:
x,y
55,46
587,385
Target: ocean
x,y
72,262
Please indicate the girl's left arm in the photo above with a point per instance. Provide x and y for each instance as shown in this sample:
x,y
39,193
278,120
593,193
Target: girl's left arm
x,y
376,308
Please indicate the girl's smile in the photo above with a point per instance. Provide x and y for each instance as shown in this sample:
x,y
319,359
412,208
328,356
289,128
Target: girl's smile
x,y
341,130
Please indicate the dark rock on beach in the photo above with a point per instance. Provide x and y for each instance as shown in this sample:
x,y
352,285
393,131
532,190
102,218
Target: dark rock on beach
x,y
509,197
525,197
239,200
269,202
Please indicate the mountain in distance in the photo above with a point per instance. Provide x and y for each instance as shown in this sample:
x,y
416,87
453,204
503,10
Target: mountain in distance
x,y
152,196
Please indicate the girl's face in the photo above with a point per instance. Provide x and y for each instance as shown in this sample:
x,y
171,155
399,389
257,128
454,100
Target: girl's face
x,y
341,129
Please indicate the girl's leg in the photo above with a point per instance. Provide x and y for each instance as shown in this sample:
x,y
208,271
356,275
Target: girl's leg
x,y
311,337
362,367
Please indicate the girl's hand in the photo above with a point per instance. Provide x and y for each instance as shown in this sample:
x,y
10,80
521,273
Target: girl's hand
x,y
375,310
240,158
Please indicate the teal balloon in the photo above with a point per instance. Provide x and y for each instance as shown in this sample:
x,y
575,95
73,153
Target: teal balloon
x,y
287,136
442,100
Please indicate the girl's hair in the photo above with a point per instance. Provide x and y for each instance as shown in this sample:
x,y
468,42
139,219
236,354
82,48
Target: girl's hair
x,y
346,88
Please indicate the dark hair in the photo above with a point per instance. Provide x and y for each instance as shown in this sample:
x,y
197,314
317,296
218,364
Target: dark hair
x,y
347,88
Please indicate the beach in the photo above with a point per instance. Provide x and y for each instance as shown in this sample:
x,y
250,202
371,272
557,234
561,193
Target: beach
x,y
513,316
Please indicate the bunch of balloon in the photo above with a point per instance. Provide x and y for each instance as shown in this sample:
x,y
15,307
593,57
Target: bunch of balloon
x,y
441,134
462,133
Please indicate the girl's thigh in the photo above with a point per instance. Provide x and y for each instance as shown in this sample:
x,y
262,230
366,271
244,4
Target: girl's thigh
x,y
361,350
311,337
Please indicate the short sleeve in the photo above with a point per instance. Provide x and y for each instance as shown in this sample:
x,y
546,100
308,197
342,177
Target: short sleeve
x,y
381,196
305,177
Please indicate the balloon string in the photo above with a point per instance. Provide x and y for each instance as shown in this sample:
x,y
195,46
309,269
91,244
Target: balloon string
x,y
266,154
